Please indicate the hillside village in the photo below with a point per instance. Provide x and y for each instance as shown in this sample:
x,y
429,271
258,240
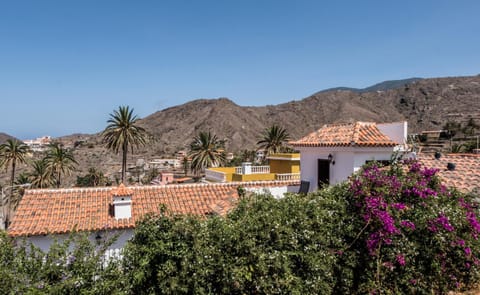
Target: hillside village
x,y
206,178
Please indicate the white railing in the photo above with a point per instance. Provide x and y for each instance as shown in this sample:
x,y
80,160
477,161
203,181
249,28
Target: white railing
x,y
287,176
254,170
260,169
213,175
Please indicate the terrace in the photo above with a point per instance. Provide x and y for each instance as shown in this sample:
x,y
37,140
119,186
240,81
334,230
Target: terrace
x,y
282,166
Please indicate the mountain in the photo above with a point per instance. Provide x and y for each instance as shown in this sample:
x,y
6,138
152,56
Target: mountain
x,y
424,103
427,104
382,86
4,137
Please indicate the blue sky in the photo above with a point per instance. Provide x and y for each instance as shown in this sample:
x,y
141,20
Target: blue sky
x,y
65,65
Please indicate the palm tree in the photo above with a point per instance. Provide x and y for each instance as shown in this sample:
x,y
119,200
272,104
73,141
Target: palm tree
x,y
93,177
41,177
274,139
123,132
206,150
11,153
23,179
59,161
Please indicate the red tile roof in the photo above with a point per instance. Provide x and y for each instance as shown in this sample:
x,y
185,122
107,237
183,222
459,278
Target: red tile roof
x,y
57,211
365,134
466,175
121,191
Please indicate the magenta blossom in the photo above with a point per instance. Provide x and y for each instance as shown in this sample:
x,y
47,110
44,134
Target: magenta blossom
x,y
400,259
443,221
407,224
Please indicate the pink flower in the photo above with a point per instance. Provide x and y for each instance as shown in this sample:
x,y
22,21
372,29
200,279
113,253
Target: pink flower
x,y
401,259
407,224
399,206
443,221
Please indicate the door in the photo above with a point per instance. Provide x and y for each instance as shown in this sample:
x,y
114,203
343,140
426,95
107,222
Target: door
x,y
323,172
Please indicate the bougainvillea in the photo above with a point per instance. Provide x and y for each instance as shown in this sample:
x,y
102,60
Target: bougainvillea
x,y
410,233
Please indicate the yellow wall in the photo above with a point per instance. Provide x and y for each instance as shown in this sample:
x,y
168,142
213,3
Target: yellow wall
x,y
223,169
253,177
282,166
286,156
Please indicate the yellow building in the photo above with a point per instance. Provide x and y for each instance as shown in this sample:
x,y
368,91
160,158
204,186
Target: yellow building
x,y
282,166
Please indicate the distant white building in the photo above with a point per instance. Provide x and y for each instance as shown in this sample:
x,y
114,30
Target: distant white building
x,y
39,144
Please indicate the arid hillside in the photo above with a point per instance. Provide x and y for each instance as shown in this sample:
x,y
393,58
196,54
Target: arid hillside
x,y
427,104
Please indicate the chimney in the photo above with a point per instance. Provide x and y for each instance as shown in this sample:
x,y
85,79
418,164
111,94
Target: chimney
x,y
246,168
122,202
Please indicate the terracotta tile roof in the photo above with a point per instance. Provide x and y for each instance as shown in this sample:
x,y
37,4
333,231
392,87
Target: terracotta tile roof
x,y
466,175
56,211
365,134
122,190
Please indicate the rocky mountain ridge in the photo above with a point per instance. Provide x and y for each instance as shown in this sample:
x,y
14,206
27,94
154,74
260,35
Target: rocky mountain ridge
x,y
427,104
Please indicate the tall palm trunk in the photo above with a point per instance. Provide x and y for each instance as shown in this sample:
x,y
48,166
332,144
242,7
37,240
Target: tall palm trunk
x,y
58,179
12,176
9,200
124,161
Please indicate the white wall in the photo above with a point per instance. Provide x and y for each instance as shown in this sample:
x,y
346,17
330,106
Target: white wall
x,y
362,157
395,131
309,165
44,242
276,192
347,161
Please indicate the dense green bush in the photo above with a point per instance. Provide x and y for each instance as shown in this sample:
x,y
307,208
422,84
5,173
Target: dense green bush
x,y
386,231
392,230
73,266
266,246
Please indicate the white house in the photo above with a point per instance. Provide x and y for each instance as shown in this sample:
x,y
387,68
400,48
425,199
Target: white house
x,y
332,153
47,214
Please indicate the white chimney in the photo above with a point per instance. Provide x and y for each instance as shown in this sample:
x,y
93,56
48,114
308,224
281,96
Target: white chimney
x,y
122,207
122,202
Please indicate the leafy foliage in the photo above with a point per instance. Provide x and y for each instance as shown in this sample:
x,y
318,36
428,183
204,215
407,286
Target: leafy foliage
x,y
393,230
93,178
265,246
410,234
74,266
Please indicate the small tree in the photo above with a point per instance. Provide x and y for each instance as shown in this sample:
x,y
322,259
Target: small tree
x,y
273,139
206,150
122,133
41,176
93,178
59,161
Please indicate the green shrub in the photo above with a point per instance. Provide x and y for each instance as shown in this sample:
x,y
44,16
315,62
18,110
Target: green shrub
x,y
265,246
74,266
